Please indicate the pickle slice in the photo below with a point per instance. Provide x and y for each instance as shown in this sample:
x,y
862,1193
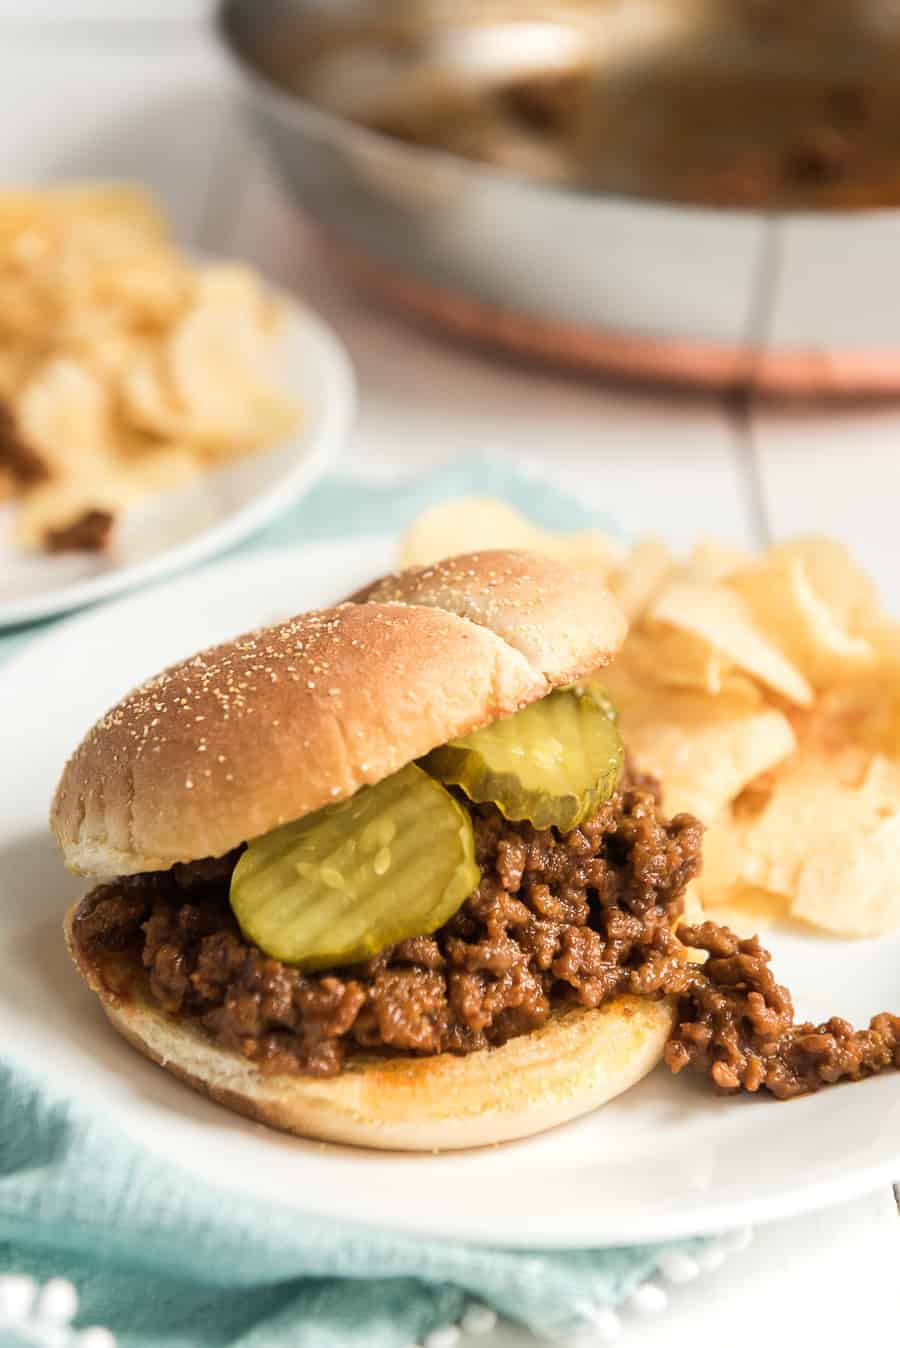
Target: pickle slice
x,y
395,860
600,695
553,763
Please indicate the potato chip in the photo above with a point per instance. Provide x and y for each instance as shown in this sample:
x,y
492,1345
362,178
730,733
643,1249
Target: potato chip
x,y
466,524
693,908
677,659
55,504
703,750
718,616
158,293
853,891
473,523
115,347
15,367
642,577
210,369
723,848
64,412
836,578
163,469
784,604
147,396
32,221
218,375
879,687
711,560
828,837
208,385
588,547
746,909
234,288
725,895
862,714
802,805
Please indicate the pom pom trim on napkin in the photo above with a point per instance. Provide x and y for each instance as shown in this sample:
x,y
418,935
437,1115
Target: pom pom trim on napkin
x,y
43,1316
601,1324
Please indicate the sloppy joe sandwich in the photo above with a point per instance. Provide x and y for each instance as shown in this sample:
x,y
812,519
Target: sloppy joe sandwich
x,y
383,874
379,873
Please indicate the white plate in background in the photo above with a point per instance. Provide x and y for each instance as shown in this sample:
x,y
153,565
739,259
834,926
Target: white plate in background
x,y
668,1158
215,510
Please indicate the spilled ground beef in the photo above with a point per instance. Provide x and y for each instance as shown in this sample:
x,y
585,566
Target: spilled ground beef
x,y
737,1024
557,920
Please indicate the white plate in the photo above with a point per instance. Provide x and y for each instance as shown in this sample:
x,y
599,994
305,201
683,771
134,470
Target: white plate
x,y
666,1159
215,510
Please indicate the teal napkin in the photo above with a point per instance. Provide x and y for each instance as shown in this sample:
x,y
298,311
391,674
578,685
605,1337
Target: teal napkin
x,y
164,1261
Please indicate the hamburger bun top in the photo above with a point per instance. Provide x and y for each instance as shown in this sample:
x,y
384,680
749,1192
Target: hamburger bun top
x,y
255,732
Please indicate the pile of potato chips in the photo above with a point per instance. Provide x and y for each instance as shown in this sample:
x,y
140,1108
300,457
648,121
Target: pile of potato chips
x,y
125,367
764,692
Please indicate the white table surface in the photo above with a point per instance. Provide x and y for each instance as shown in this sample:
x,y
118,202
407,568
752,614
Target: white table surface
x,y
139,88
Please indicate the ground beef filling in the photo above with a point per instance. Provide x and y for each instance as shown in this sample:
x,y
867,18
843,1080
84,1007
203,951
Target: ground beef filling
x,y
557,920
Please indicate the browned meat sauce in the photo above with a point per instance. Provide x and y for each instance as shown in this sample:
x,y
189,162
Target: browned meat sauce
x,y
88,532
556,920
737,1024
19,458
